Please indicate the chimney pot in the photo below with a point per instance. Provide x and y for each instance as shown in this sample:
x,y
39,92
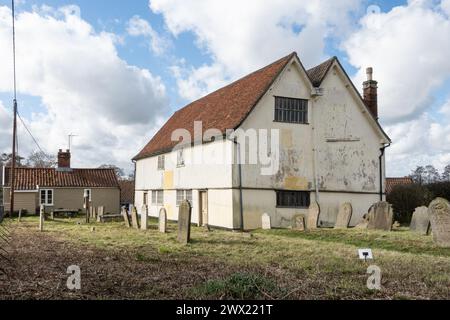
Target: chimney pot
x,y
369,72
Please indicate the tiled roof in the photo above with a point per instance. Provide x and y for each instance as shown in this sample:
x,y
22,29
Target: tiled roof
x,y
318,73
228,107
126,191
393,182
29,178
223,109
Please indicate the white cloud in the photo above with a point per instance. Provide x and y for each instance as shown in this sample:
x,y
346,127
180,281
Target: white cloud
x,y
409,48
140,27
83,84
241,36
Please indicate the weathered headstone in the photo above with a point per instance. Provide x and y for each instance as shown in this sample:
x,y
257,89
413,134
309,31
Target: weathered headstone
x,y
144,217
162,220
266,222
439,212
299,222
313,215
41,218
344,216
100,213
94,213
420,221
134,217
381,217
126,219
184,222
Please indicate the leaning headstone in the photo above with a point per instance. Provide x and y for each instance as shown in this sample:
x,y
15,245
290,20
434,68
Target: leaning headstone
x,y
298,222
344,216
266,223
162,220
41,218
144,217
313,215
381,217
420,221
184,222
126,219
439,212
134,217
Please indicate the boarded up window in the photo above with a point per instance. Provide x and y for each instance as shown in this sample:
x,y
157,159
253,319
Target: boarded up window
x,y
291,110
293,199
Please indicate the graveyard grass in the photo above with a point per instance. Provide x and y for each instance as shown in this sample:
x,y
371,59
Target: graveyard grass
x,y
118,262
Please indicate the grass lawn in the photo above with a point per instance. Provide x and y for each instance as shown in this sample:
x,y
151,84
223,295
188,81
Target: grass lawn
x,y
119,263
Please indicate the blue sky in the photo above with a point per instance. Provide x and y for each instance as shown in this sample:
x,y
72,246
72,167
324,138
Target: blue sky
x,y
187,50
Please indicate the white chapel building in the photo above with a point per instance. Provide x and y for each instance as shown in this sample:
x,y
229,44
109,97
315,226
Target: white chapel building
x,y
317,139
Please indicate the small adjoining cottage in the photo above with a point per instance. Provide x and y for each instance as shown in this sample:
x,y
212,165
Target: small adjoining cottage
x,y
331,150
61,188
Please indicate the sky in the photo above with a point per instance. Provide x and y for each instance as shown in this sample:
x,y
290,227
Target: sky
x,y
111,72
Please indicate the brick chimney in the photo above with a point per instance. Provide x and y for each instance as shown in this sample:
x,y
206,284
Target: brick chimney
x,y
64,159
371,93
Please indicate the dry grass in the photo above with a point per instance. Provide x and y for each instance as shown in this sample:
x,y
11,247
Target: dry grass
x,y
124,263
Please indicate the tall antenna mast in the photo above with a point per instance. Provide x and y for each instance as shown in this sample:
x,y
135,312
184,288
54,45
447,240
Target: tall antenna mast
x,y
13,164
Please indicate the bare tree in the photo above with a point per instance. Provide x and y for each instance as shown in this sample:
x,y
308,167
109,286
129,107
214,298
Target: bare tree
x,y
446,174
40,159
418,175
431,174
119,171
6,159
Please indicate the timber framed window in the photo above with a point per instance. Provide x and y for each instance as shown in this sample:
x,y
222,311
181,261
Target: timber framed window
x,y
161,162
158,197
291,110
46,197
293,199
184,195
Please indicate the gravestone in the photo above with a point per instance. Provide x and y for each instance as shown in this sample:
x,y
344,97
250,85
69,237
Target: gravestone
x,y
163,220
439,212
313,216
144,217
420,221
94,213
299,222
184,222
126,219
266,223
41,218
100,213
381,217
134,217
344,216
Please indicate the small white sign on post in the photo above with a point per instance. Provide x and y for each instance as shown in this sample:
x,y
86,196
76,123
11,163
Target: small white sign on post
x,y
365,254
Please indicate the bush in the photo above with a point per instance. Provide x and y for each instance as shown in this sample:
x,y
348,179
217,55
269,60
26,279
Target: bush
x,y
406,198
440,189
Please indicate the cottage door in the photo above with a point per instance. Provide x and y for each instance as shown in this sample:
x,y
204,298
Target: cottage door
x,y
203,208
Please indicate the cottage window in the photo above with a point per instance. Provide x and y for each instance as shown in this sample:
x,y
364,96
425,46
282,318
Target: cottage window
x,y
161,162
293,199
88,194
180,158
157,197
291,110
46,197
184,195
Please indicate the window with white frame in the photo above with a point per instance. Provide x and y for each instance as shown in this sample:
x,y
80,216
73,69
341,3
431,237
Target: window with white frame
x,y
184,195
46,197
180,158
161,162
157,197
88,194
